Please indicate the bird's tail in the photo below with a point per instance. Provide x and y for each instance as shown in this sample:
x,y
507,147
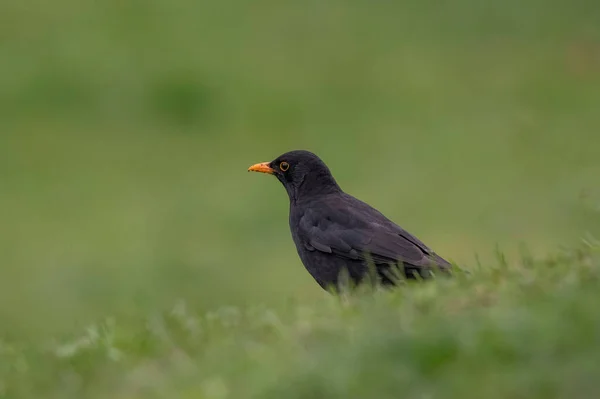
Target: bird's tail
x,y
440,265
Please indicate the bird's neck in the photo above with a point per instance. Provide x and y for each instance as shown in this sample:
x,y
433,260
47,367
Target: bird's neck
x,y
313,186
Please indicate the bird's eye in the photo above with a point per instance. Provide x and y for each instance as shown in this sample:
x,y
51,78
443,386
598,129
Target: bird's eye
x,y
284,166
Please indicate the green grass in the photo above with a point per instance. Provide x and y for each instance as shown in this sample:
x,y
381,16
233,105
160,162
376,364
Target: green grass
x,y
126,129
528,329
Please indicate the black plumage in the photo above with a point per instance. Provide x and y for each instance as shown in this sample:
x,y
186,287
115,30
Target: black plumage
x,y
334,231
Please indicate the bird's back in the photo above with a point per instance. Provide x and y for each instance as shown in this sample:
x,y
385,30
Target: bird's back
x,y
339,231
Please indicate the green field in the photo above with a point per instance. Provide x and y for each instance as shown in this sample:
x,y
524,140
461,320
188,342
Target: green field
x,y
126,129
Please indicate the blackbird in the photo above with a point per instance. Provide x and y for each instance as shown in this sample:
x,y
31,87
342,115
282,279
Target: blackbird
x,y
334,231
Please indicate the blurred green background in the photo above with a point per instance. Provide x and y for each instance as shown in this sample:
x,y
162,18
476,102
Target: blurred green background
x,y
126,128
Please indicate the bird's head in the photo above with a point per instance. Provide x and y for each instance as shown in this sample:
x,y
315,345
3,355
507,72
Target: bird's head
x,y
302,173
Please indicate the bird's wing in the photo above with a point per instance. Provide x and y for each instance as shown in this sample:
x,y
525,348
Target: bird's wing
x,y
354,232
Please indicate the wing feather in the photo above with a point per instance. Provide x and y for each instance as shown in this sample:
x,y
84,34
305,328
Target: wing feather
x,y
357,238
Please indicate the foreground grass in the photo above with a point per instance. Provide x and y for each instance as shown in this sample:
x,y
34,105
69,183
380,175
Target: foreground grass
x,y
513,330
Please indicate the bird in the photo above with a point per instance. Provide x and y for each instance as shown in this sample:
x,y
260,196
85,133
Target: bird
x,y
336,233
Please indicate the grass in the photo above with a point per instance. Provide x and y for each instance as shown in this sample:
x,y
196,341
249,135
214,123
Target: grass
x,y
126,129
505,330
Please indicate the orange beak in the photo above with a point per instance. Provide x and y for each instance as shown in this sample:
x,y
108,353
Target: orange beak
x,y
262,168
